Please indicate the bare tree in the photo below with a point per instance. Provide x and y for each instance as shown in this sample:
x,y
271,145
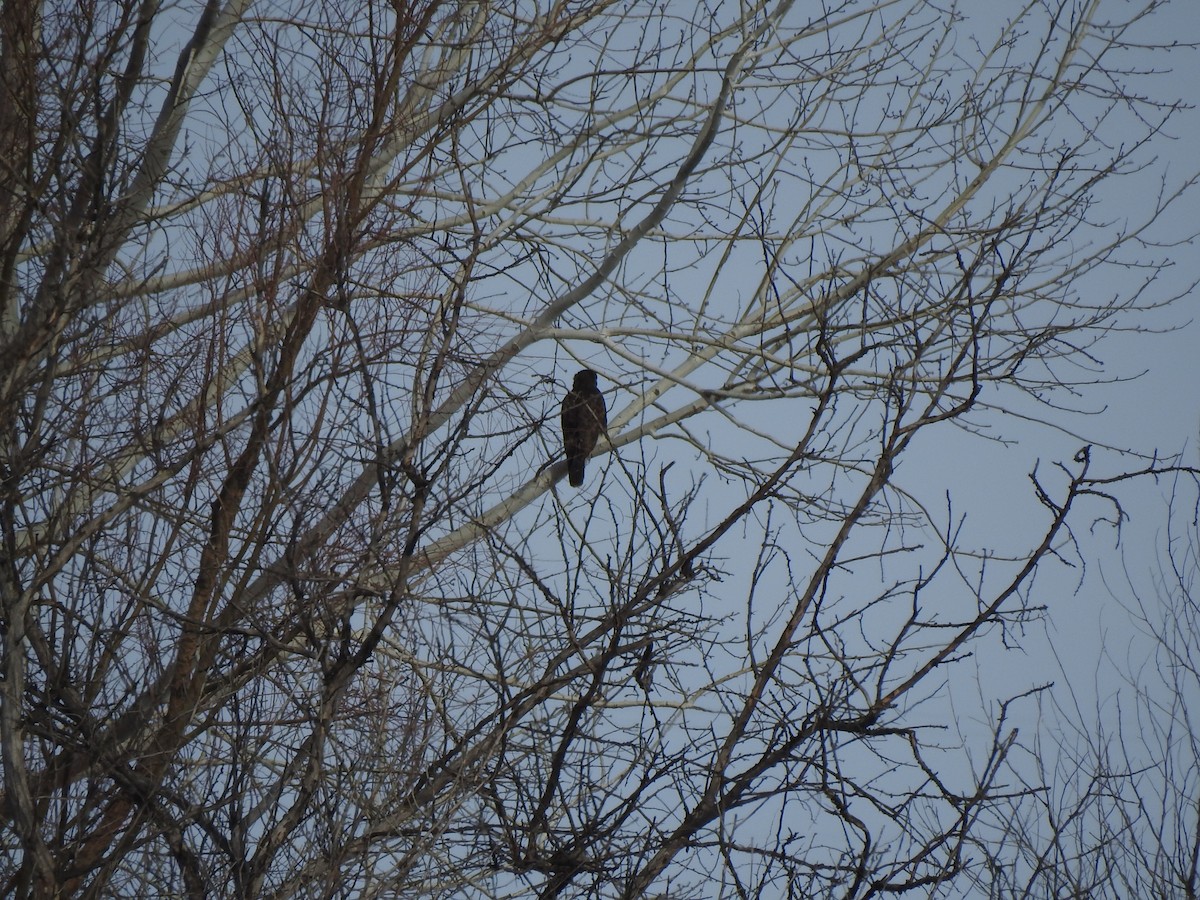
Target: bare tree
x,y
1117,783
295,601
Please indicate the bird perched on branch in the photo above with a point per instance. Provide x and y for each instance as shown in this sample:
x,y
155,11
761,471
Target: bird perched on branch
x,y
584,418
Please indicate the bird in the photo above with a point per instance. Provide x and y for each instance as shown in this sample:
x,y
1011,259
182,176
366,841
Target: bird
x,y
584,418
644,673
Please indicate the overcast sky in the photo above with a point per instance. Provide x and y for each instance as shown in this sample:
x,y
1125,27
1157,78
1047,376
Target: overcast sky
x,y
1091,642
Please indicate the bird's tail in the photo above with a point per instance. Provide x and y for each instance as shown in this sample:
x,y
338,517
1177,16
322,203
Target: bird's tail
x,y
575,466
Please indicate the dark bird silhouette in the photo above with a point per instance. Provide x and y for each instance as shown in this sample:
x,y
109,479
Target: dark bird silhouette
x,y
644,673
584,418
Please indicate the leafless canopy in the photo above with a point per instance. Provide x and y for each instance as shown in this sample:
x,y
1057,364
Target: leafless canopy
x,y
290,294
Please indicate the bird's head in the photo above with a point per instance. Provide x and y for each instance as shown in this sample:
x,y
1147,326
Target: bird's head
x,y
584,379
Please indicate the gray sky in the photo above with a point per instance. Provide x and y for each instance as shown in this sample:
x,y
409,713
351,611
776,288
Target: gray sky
x,y
1091,647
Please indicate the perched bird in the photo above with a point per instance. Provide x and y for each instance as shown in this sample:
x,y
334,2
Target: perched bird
x,y
644,673
584,418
